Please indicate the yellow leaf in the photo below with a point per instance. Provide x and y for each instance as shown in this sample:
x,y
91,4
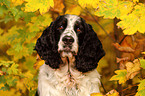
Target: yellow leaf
x,y
17,2
42,5
20,86
135,1
75,11
142,52
121,76
133,22
86,3
38,64
96,94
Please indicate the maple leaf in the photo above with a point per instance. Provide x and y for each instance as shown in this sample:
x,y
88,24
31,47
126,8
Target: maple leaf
x,y
121,76
142,62
42,5
141,88
132,68
131,23
140,93
113,8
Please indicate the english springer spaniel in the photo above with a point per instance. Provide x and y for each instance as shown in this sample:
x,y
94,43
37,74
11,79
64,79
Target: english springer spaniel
x,y
71,50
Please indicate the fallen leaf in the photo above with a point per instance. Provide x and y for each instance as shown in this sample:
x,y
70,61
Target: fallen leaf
x,y
112,93
123,48
122,59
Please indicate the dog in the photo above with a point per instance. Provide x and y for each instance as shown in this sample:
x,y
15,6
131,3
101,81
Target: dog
x,y
71,51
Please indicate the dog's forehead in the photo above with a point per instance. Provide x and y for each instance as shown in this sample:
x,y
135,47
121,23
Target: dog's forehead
x,y
72,18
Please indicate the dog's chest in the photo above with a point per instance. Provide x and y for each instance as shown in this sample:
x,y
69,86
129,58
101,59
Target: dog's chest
x,y
63,83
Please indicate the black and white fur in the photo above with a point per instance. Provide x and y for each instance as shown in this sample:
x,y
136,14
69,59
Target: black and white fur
x,y
71,50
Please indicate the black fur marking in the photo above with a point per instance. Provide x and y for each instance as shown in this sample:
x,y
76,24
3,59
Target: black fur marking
x,y
90,49
47,47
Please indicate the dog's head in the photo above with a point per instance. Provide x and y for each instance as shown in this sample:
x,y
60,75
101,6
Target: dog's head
x,y
68,36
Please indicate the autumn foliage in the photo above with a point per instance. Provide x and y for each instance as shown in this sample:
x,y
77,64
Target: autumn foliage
x,y
120,25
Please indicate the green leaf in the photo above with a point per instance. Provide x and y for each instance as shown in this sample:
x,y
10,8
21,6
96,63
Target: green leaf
x,y
2,79
18,47
7,18
5,88
6,63
140,93
6,2
30,47
3,9
11,81
27,16
142,62
141,86
121,76
13,69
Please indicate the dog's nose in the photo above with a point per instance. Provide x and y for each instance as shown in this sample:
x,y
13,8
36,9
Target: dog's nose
x,y
68,40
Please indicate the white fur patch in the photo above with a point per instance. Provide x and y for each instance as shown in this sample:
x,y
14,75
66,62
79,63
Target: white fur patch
x,y
59,83
69,31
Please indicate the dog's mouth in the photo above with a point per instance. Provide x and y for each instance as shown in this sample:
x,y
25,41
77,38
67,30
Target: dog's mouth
x,y
67,48
66,51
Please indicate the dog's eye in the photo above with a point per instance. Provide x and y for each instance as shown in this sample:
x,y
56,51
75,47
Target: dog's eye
x,y
61,27
78,30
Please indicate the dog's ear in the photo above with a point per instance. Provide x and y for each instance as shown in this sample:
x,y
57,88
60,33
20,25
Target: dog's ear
x,y
90,51
46,46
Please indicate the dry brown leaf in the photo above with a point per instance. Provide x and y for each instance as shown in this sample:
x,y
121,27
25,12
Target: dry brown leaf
x,y
132,68
112,93
122,66
121,59
123,48
2,73
58,6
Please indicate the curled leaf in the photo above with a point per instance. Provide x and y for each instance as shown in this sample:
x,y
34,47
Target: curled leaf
x,y
122,59
123,48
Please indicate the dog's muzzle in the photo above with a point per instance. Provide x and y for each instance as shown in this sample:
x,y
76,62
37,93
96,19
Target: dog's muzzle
x,y
68,41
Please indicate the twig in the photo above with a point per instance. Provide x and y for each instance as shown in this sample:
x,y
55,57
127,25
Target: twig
x,y
122,39
129,87
103,87
100,25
